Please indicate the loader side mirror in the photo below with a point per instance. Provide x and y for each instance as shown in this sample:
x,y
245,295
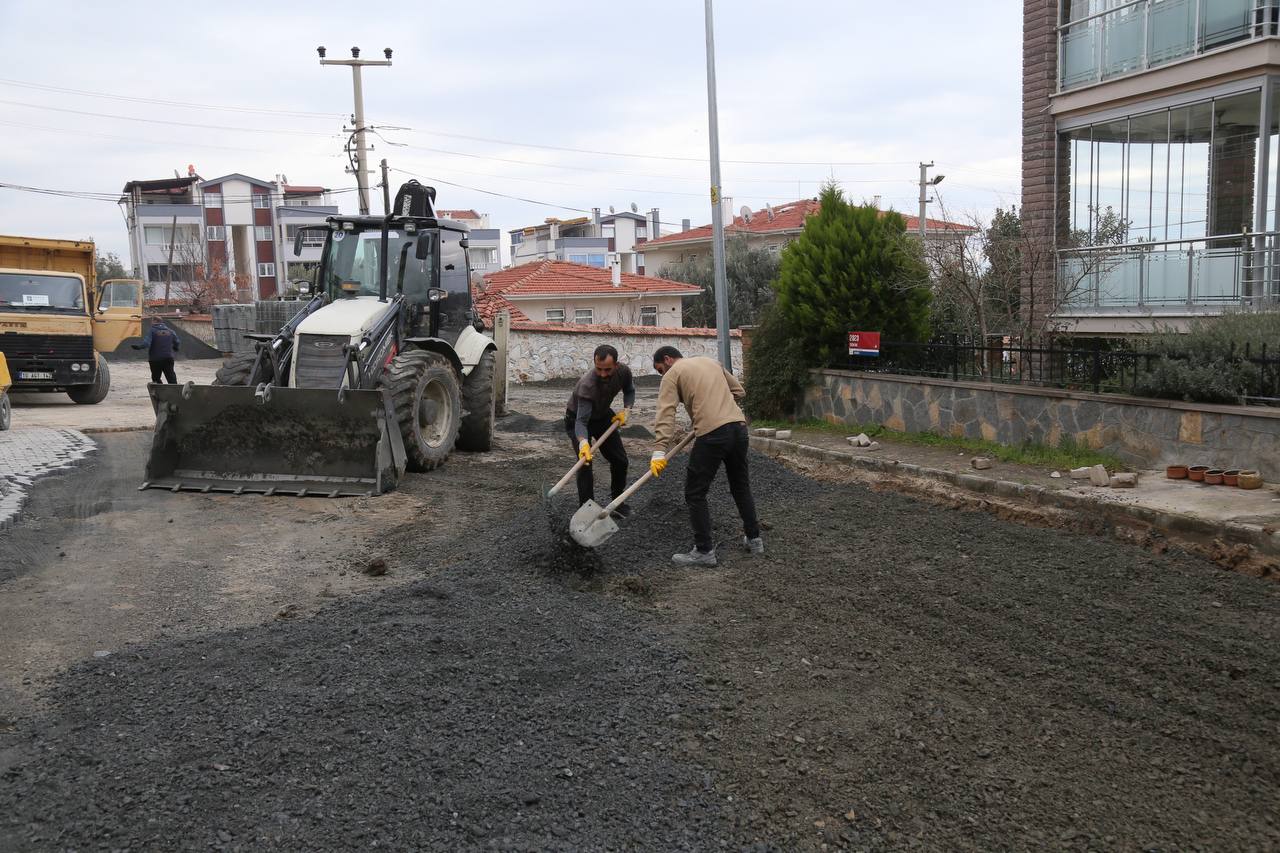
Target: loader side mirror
x,y
464,243
426,242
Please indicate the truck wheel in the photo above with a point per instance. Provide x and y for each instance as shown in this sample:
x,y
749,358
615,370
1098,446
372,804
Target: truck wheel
x,y
6,411
97,392
235,370
428,404
478,400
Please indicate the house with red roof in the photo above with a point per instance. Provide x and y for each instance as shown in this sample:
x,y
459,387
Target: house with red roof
x,y
564,293
770,229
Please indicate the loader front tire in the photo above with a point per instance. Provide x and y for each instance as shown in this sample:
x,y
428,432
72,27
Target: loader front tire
x,y
235,370
428,403
478,400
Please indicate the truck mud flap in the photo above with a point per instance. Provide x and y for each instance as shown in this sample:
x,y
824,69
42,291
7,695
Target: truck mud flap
x,y
270,441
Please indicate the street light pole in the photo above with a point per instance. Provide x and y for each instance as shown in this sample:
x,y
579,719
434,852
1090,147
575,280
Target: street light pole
x,y
356,63
717,208
925,183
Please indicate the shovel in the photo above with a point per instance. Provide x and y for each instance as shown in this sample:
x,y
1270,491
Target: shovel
x,y
592,525
567,477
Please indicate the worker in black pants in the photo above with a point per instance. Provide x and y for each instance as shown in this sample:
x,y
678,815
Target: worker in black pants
x,y
589,415
160,343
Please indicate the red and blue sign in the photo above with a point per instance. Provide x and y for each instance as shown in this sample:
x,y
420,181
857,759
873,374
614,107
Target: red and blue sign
x,y
864,343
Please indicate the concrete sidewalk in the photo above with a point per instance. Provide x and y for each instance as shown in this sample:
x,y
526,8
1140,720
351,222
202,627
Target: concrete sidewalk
x,y
1174,508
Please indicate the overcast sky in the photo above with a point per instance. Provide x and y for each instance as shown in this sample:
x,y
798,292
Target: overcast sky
x,y
490,91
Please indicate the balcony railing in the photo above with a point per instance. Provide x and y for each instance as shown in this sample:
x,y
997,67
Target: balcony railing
x,y
1201,275
1144,34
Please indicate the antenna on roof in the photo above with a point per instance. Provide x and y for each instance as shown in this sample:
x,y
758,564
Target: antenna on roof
x,y
768,211
634,207
746,215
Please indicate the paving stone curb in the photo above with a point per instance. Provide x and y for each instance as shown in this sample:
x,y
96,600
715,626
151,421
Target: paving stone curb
x,y
1230,532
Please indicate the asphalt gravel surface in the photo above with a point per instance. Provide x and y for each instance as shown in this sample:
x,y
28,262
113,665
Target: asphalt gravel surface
x,y
889,675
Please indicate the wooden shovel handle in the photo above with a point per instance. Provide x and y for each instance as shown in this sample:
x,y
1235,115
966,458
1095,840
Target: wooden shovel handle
x,y
644,478
567,477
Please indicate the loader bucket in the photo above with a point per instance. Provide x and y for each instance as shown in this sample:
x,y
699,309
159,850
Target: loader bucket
x,y
293,441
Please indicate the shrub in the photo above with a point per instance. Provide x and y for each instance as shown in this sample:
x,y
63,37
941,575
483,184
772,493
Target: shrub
x,y
776,370
1206,364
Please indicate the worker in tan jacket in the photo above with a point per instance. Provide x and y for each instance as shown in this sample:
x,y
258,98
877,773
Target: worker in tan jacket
x,y
710,395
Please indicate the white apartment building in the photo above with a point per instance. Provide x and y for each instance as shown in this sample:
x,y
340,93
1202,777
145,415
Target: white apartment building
x,y
485,243
589,241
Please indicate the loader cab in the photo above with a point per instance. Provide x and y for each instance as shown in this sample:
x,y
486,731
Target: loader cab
x,y
426,261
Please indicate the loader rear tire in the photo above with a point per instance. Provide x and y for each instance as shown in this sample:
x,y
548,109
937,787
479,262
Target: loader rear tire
x,y
428,403
478,400
6,411
88,395
235,370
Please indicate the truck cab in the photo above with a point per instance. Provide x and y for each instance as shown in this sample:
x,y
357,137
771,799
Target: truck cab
x,y
55,321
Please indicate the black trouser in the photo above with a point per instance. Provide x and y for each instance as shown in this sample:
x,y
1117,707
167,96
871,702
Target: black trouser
x,y
611,450
165,366
728,444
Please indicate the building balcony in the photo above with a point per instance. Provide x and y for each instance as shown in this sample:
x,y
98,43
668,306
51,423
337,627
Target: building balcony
x,y
1137,36
1201,276
168,211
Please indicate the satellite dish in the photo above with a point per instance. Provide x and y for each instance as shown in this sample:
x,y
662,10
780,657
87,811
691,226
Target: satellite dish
x,y
611,208
768,211
634,207
746,215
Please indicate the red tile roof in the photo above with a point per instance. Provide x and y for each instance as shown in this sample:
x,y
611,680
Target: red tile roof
x,y
787,218
561,278
290,189
457,214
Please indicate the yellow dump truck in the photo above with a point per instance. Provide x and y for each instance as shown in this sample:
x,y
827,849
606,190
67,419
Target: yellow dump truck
x,y
56,321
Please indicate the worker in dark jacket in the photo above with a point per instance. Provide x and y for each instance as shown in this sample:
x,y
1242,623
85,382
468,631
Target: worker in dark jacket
x,y
160,343
589,414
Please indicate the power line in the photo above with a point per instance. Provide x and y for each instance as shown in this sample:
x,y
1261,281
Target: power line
x,y
164,121
184,104
435,180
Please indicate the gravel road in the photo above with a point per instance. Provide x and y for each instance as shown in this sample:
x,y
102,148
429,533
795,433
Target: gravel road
x,y
889,675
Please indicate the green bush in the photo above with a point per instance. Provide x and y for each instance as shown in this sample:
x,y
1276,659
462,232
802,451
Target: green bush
x,y
775,370
1200,365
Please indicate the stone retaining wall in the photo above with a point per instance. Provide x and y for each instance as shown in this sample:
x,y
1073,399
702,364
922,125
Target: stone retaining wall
x,y
1148,433
538,355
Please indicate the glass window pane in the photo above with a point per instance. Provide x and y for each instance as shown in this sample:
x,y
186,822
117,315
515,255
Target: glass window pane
x,y
1189,132
1148,172
1122,40
1224,21
1234,165
1171,30
1109,182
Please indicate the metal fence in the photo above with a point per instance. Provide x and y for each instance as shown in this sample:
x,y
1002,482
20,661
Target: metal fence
x,y
1097,365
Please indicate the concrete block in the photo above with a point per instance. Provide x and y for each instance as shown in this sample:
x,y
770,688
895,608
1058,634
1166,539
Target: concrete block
x,y
765,432
859,440
875,445
980,462
1080,473
1098,476
1124,481
782,434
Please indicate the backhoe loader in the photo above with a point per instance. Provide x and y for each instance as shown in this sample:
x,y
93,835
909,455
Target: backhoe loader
x,y
385,369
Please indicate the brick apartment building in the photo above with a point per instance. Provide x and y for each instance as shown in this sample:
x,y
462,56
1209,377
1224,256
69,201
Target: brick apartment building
x,y
1162,116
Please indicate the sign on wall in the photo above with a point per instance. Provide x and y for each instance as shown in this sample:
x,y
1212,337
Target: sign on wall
x,y
864,343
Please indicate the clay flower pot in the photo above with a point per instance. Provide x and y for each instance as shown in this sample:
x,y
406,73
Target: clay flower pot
x,y
1196,472
1176,472
1249,480
1213,477
1229,477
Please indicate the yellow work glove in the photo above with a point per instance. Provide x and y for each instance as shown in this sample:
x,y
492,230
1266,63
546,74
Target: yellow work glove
x,y
584,451
657,463
621,418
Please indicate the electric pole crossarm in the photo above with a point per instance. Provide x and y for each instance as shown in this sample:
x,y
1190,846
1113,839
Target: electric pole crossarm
x,y
357,84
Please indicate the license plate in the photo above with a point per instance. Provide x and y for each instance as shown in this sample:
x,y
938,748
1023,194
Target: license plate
x,y
34,374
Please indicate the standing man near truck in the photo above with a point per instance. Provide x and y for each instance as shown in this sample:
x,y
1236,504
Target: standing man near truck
x,y
160,343
710,395
589,414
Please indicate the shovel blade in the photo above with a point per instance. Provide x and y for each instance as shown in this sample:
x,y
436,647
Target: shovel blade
x,y
588,529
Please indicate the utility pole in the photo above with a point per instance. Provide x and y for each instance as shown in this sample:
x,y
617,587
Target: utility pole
x,y
361,168
717,208
925,183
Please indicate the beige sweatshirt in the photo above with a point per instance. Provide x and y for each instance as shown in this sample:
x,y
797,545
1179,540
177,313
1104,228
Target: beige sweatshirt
x,y
710,395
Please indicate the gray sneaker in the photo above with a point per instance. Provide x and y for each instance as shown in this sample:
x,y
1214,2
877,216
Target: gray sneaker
x,y
694,557
755,546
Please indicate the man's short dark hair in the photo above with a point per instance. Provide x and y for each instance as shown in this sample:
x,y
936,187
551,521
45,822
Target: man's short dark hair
x,y
662,353
606,351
